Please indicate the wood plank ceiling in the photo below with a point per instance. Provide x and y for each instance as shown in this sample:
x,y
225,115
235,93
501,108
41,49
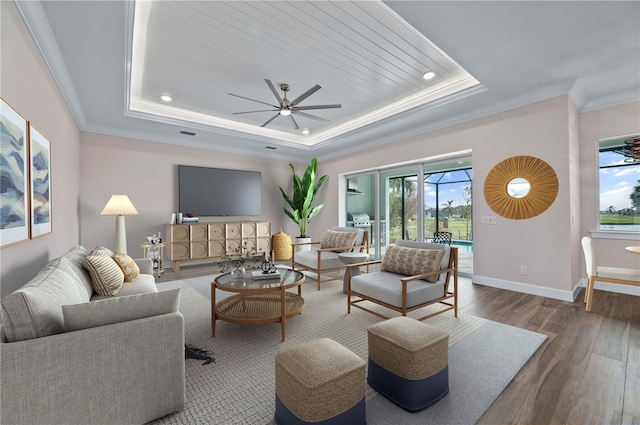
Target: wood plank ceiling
x,y
363,55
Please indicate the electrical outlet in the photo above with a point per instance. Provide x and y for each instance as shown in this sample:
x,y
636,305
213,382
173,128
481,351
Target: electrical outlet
x,y
523,270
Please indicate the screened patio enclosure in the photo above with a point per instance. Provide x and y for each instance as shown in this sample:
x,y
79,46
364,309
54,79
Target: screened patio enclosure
x,y
386,202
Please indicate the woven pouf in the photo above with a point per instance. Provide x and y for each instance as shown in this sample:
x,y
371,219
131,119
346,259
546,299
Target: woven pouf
x,y
408,362
319,382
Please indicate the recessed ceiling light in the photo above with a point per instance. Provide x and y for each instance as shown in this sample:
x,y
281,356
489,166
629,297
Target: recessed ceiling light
x,y
166,98
428,75
273,148
305,131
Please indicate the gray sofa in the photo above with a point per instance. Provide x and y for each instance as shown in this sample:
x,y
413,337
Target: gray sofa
x,y
69,356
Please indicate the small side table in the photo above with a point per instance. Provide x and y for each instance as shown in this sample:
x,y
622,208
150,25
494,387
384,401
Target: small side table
x,y
352,258
155,252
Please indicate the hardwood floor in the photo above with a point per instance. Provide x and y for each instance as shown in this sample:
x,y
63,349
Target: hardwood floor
x,y
588,370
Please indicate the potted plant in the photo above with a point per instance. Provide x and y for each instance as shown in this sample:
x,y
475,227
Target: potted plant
x,y
304,191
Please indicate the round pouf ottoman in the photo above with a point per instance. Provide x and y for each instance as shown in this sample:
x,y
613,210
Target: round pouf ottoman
x,y
319,381
408,362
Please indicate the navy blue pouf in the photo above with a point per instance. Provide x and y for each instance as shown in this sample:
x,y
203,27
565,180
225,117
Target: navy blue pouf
x,y
408,362
319,382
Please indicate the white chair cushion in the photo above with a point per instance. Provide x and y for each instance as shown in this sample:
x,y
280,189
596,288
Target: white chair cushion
x,y
386,287
618,273
328,259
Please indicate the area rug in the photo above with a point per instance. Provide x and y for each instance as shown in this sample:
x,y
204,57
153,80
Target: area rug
x,y
239,386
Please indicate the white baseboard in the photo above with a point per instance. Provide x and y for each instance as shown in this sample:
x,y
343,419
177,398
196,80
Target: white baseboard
x,y
557,294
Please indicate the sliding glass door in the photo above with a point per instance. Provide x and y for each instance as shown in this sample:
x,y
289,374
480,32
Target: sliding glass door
x,y
396,204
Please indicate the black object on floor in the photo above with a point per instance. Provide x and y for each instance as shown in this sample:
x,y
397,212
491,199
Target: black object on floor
x,y
191,352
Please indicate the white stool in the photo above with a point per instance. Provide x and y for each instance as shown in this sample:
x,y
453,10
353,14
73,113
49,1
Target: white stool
x,y
352,258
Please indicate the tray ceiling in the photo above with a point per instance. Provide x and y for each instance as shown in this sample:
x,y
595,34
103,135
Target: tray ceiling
x,y
368,56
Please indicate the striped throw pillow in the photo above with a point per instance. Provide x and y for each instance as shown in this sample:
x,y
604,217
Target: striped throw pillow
x,y
106,276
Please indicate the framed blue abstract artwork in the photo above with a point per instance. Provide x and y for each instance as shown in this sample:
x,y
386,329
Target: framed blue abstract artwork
x,y
14,177
40,168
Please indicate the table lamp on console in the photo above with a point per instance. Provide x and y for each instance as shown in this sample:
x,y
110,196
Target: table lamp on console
x,y
120,205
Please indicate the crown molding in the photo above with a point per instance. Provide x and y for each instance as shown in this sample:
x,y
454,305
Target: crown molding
x,y
38,25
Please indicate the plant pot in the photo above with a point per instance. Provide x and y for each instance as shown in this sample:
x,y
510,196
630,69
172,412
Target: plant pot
x,y
303,247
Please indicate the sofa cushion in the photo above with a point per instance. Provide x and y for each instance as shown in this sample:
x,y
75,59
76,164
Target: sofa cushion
x,y
106,276
129,267
75,258
144,284
387,287
34,310
333,239
412,261
119,309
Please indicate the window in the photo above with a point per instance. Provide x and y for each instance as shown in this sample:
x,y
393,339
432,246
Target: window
x,y
619,189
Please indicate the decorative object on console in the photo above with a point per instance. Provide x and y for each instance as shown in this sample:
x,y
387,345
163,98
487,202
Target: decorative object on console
x,y
304,191
14,222
120,205
521,187
40,172
281,243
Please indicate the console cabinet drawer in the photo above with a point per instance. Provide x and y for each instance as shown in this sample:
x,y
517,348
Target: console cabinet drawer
x,y
213,240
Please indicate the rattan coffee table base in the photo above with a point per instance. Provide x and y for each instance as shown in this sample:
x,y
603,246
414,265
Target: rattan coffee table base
x,y
259,308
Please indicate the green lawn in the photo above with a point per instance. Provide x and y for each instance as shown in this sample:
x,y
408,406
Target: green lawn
x,y
457,226
619,219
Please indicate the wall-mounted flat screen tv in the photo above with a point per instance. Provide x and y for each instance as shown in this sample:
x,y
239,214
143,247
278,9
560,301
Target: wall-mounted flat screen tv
x,y
219,192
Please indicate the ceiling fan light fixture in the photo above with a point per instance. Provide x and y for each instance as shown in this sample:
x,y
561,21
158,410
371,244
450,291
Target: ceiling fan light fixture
x,y
285,112
166,98
428,75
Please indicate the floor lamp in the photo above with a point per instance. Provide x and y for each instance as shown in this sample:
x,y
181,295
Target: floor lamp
x,y
120,205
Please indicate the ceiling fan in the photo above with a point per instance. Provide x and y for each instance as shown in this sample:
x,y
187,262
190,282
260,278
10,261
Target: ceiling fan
x,y
288,107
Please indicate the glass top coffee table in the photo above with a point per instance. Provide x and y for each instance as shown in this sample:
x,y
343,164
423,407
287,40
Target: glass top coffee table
x,y
257,300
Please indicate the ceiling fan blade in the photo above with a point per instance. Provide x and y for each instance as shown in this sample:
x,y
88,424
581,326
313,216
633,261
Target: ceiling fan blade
x,y
313,117
253,100
295,124
304,108
305,95
270,119
274,91
251,112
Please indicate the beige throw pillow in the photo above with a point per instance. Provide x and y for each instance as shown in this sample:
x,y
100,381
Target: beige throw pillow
x,y
106,276
412,261
128,266
333,239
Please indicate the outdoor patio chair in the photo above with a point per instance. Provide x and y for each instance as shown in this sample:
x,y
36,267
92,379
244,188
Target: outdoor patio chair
x,y
442,237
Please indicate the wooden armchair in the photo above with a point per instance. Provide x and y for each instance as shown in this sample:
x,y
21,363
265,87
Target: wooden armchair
x,y
323,255
412,275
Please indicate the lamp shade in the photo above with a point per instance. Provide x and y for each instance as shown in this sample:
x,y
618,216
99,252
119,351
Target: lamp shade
x,y
119,205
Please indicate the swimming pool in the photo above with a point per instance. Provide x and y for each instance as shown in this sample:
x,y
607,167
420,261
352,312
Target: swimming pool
x,y
463,246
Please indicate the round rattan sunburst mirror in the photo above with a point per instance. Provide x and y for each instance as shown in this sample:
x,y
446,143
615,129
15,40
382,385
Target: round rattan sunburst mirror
x,y
520,187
